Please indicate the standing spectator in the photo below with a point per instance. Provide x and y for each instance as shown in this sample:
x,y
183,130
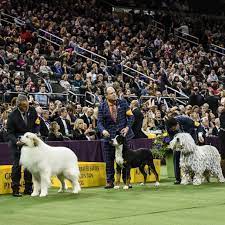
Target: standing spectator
x,y
23,119
114,116
196,98
138,120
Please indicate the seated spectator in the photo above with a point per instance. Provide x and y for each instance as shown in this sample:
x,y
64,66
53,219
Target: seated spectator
x,y
87,116
78,131
54,134
42,96
44,124
64,123
216,128
65,83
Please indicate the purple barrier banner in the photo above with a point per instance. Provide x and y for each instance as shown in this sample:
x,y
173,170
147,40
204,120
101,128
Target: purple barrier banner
x,y
86,151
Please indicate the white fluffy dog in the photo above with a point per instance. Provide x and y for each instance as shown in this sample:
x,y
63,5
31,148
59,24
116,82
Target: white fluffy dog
x,y
197,162
44,161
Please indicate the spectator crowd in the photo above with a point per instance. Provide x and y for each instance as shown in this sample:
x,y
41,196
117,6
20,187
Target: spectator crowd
x,y
57,77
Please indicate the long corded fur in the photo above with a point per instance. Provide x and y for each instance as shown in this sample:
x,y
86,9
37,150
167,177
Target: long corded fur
x,y
183,141
196,161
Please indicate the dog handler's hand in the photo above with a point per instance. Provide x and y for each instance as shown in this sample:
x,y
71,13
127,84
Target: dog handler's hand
x,y
19,143
124,131
105,133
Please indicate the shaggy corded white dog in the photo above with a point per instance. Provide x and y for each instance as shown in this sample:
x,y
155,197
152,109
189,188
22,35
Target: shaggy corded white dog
x,y
197,162
44,161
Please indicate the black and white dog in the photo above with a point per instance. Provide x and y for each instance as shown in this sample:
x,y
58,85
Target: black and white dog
x,y
127,159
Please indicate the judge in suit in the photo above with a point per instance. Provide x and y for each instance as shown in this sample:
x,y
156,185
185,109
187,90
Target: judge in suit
x,y
114,115
21,120
138,120
44,124
65,127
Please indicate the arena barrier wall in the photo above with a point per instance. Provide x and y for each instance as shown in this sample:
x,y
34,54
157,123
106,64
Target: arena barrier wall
x,y
92,175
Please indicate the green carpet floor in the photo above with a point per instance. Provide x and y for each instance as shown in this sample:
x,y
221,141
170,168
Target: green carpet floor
x,y
167,205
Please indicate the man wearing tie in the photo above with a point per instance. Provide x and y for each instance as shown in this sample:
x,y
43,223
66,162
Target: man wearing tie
x,y
65,127
87,117
114,115
45,122
21,120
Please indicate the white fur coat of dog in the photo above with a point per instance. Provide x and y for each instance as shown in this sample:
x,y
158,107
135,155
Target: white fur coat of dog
x,y
197,162
44,161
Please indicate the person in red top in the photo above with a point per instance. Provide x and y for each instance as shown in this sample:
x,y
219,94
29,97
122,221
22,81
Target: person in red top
x,y
25,35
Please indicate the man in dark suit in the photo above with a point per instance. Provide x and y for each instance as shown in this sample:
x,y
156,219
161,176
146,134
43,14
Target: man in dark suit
x,y
138,120
216,129
86,117
65,127
114,116
23,119
44,124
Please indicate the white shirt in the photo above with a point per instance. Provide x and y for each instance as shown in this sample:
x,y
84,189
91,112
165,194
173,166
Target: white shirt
x,y
65,126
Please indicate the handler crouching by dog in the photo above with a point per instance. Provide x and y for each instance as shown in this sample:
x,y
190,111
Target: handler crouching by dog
x,y
114,115
21,120
176,124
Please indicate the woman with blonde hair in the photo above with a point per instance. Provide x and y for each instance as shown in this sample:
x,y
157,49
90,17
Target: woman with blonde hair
x,y
54,134
78,131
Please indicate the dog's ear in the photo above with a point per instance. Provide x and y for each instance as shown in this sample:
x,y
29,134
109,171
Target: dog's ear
x,y
35,141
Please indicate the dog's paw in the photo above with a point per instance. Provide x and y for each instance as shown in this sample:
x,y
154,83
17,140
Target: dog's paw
x,y
157,184
125,187
34,194
142,184
75,191
61,190
117,187
43,195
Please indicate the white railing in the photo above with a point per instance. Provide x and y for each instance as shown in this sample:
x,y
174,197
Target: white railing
x,y
157,25
92,97
186,37
90,55
127,68
50,37
217,49
178,99
11,19
10,93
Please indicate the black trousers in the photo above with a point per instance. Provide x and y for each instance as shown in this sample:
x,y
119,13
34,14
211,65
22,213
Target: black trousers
x,y
16,172
222,141
176,163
